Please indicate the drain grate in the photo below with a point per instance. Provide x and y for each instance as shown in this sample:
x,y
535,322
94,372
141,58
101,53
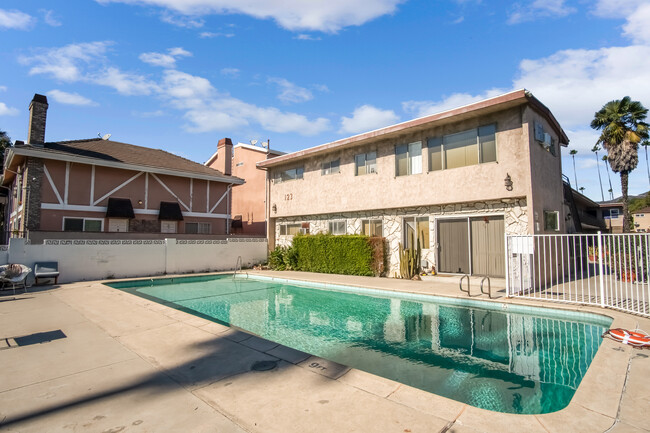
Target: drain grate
x,y
264,365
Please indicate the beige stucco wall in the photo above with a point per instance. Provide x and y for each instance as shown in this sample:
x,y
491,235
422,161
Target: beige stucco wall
x,y
643,221
345,192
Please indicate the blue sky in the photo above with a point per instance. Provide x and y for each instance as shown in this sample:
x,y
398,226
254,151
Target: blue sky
x,y
180,74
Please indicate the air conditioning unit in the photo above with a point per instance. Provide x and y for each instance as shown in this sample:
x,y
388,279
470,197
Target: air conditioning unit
x,y
547,140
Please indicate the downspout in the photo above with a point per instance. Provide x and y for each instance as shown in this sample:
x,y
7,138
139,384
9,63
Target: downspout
x,y
228,209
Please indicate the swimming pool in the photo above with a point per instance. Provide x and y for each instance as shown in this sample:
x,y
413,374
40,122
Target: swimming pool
x,y
499,357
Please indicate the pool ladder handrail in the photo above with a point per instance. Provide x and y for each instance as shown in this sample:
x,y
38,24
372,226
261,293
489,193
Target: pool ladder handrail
x,y
238,266
460,283
489,292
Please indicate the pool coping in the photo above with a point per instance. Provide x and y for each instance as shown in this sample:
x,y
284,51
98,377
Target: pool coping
x,y
597,398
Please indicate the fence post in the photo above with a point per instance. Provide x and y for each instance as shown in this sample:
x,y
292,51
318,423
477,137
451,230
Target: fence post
x,y
601,269
507,266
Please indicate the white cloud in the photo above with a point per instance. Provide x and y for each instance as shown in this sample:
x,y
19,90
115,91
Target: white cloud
x,y
215,35
230,72
539,9
367,118
164,60
319,15
65,63
637,27
425,108
125,83
179,21
13,19
616,8
148,114
69,98
290,92
49,18
306,37
7,111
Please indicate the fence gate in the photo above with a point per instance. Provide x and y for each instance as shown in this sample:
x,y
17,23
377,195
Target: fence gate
x,y
609,270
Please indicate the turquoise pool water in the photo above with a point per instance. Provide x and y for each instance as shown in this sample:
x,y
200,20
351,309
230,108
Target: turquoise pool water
x,y
520,360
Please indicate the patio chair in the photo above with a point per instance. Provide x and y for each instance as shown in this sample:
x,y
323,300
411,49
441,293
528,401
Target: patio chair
x,y
46,270
16,275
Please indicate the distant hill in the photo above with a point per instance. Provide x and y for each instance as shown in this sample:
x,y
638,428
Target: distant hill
x,y
643,195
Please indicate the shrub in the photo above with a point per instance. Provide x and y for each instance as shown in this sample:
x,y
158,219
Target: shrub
x,y
348,254
276,259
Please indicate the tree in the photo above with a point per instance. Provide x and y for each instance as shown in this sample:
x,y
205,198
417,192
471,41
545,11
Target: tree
x,y
622,127
5,142
595,149
645,144
575,175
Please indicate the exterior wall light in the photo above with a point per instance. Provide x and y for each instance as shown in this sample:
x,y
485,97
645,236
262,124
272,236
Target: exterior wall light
x,y
508,182
275,208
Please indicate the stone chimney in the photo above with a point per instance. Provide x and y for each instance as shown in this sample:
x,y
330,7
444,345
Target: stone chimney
x,y
37,119
223,162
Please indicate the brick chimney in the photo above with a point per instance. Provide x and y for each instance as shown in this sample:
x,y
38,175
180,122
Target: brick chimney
x,y
223,162
37,119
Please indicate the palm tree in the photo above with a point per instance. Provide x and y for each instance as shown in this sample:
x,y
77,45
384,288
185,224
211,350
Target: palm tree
x,y
622,127
575,175
595,149
645,144
610,190
582,190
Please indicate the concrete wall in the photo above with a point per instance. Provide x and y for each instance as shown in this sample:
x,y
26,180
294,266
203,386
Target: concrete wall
x,y
81,260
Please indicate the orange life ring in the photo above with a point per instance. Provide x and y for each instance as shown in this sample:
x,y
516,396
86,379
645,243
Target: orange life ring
x,y
633,338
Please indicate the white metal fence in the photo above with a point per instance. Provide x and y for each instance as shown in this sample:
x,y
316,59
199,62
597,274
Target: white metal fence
x,y
609,270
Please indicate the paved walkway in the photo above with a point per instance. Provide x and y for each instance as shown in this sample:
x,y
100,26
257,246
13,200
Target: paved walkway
x,y
127,364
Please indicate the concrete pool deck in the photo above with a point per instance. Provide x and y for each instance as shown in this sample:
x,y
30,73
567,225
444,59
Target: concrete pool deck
x,y
129,364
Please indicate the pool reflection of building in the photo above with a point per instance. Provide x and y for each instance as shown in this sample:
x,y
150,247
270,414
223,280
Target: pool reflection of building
x,y
535,348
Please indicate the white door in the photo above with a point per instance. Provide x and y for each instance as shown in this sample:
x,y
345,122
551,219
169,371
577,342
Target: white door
x,y
168,226
118,225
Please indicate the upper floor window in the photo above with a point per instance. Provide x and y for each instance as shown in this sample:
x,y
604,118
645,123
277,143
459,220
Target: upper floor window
x,y
610,213
551,220
408,159
471,147
291,174
337,227
365,163
371,228
331,167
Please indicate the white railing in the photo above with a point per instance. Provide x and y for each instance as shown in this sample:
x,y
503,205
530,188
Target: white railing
x,y
609,270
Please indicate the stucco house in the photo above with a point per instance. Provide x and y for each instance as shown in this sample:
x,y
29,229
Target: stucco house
x,y
248,210
98,187
641,220
612,212
456,180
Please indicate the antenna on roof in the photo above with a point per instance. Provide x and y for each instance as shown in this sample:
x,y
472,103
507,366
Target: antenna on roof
x,y
253,142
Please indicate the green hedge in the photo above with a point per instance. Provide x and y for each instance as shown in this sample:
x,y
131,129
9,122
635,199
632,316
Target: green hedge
x,y
328,254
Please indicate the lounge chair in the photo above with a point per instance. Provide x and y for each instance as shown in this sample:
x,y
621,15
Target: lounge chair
x,y
10,275
46,270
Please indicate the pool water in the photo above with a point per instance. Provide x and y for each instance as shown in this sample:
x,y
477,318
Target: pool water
x,y
497,360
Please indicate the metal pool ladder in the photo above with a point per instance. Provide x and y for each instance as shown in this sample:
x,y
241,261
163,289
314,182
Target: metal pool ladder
x,y
461,284
237,267
489,292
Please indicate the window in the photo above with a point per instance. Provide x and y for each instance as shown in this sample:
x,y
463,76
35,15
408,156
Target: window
x,y
199,228
83,224
372,228
475,146
337,227
416,228
408,159
610,213
552,220
331,167
365,163
292,174
289,229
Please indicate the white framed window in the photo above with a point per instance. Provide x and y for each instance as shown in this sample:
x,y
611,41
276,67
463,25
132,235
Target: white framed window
x,y
372,227
198,228
416,228
552,220
71,224
168,226
471,147
330,167
408,159
337,227
291,174
118,225
365,163
290,229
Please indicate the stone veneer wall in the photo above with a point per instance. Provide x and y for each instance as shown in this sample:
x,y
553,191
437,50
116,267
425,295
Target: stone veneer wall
x,y
34,182
513,210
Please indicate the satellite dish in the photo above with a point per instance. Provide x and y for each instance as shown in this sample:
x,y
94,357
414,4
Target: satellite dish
x,y
106,137
265,144
253,142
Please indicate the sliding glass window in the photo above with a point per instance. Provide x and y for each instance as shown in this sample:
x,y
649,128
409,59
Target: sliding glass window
x,y
475,146
408,159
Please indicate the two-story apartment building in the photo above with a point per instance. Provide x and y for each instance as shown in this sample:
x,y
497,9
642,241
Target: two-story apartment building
x,y
248,209
457,181
98,187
